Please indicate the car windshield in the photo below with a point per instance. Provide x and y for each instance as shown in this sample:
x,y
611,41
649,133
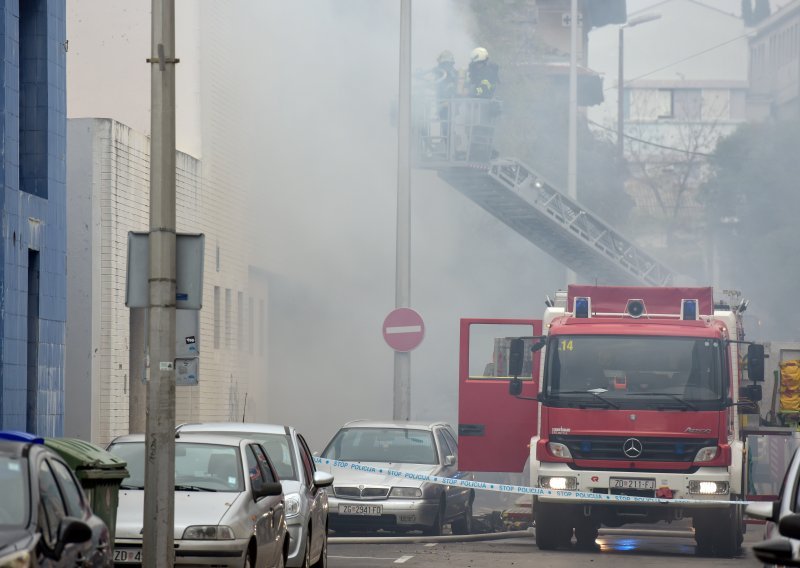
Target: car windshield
x,y
386,445
278,447
14,493
198,467
635,370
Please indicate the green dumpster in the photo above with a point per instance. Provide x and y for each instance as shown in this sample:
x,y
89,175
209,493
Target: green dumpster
x,y
99,472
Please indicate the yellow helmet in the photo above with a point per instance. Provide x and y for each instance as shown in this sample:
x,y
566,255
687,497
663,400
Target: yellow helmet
x,y
479,54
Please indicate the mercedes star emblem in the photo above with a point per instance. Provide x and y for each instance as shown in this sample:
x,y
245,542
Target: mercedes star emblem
x,y
632,448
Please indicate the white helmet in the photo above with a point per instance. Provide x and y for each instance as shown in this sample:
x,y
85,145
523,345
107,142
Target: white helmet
x,y
479,54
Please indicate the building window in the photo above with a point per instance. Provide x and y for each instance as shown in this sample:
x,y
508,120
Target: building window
x,y
687,104
665,103
33,97
240,320
228,310
251,316
217,317
262,327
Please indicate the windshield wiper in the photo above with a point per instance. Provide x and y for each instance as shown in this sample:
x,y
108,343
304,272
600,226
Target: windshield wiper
x,y
131,487
193,488
592,392
686,403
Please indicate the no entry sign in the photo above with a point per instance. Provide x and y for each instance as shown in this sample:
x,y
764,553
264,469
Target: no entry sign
x,y
403,329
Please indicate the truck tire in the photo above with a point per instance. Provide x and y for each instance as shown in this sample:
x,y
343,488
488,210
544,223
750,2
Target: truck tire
x,y
719,533
553,530
586,532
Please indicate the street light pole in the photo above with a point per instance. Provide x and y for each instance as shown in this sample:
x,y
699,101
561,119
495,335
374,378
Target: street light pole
x,y
621,78
159,497
402,361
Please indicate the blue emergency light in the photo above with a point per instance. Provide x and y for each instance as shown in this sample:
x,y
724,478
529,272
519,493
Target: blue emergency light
x,y
582,307
688,309
17,436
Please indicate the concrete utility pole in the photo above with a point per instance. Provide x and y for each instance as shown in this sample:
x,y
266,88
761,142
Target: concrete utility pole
x,y
402,361
158,546
572,149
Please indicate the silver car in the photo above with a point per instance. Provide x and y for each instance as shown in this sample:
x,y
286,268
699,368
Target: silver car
x,y
229,507
306,501
368,498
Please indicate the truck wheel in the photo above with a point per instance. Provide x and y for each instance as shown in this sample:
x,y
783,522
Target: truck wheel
x,y
553,530
728,536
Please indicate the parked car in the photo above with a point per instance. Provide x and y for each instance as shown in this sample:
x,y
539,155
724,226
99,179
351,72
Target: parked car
x,y
229,505
363,499
306,500
781,544
45,518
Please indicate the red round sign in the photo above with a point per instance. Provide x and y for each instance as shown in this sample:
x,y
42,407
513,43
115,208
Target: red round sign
x,y
403,329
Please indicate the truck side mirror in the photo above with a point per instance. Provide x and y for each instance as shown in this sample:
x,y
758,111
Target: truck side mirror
x,y
516,355
515,387
755,362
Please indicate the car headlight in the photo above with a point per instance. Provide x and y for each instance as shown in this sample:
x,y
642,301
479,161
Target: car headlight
x,y
706,454
292,505
708,487
558,483
20,559
406,492
208,532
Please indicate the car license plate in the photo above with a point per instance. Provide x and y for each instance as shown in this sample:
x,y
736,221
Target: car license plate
x,y
132,555
624,483
363,510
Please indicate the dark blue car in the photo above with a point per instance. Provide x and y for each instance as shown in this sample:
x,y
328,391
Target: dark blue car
x,y
45,518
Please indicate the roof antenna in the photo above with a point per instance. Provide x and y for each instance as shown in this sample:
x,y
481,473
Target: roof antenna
x,y
245,406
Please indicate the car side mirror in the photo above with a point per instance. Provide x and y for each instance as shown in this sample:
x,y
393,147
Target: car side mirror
x,y
755,362
790,526
776,551
764,510
515,387
269,489
449,460
322,479
71,531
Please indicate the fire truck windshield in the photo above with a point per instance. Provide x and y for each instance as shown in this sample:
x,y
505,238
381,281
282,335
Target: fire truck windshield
x,y
635,371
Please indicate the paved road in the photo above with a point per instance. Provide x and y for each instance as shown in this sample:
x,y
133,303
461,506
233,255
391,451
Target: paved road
x,y
615,551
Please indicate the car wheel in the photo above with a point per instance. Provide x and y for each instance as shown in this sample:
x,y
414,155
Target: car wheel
x,y
464,524
307,552
323,556
438,523
248,559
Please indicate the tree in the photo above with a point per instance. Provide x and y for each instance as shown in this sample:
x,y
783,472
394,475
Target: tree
x,y
752,203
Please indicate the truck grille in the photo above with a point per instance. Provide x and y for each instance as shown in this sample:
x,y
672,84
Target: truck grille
x,y
652,449
361,492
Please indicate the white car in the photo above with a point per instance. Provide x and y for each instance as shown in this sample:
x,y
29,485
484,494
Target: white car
x,y
369,498
306,501
229,505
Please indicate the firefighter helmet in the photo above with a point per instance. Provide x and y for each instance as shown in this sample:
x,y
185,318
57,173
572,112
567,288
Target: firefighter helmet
x,y
446,57
479,54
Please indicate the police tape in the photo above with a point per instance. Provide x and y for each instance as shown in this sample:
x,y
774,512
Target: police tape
x,y
550,494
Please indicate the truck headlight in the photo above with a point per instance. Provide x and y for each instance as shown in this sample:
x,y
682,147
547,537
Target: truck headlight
x,y
706,454
708,487
406,492
559,450
559,483
292,505
208,532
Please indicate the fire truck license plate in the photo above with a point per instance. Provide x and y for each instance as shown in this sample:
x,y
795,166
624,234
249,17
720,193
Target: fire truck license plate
x,y
623,483
364,510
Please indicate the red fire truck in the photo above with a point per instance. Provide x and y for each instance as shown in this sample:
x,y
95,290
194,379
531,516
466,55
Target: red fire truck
x,y
619,393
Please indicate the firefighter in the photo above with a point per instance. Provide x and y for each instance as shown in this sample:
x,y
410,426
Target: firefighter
x,y
445,76
482,75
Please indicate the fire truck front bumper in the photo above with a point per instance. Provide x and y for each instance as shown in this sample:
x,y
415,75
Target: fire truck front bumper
x,y
702,487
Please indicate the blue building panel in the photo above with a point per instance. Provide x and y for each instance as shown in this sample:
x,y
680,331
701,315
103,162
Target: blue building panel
x,y
33,208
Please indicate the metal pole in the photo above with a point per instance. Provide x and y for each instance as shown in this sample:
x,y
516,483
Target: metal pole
x,y
620,93
158,546
572,150
402,361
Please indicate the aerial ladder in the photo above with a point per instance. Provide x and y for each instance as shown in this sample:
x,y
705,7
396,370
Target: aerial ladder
x,y
455,138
